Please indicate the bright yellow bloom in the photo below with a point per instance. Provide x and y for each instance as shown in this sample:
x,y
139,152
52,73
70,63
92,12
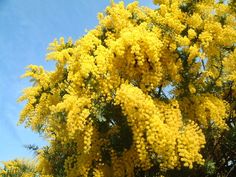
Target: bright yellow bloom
x,y
139,88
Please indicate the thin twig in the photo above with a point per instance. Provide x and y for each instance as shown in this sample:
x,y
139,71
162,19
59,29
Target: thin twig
x,y
232,168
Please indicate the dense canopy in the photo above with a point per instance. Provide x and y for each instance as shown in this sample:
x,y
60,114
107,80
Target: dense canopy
x,y
148,92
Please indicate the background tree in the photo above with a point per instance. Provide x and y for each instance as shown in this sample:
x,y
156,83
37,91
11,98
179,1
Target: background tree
x,y
18,168
148,92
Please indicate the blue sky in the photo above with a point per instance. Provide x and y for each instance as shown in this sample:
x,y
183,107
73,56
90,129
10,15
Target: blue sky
x,y
26,29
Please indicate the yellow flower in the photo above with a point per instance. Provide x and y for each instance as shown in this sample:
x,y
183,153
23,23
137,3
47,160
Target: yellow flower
x,y
192,89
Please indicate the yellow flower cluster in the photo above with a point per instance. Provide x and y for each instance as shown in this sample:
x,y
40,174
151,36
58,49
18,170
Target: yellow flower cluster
x,y
205,110
137,55
112,82
43,166
124,165
76,113
19,167
229,63
156,128
195,21
97,173
190,142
